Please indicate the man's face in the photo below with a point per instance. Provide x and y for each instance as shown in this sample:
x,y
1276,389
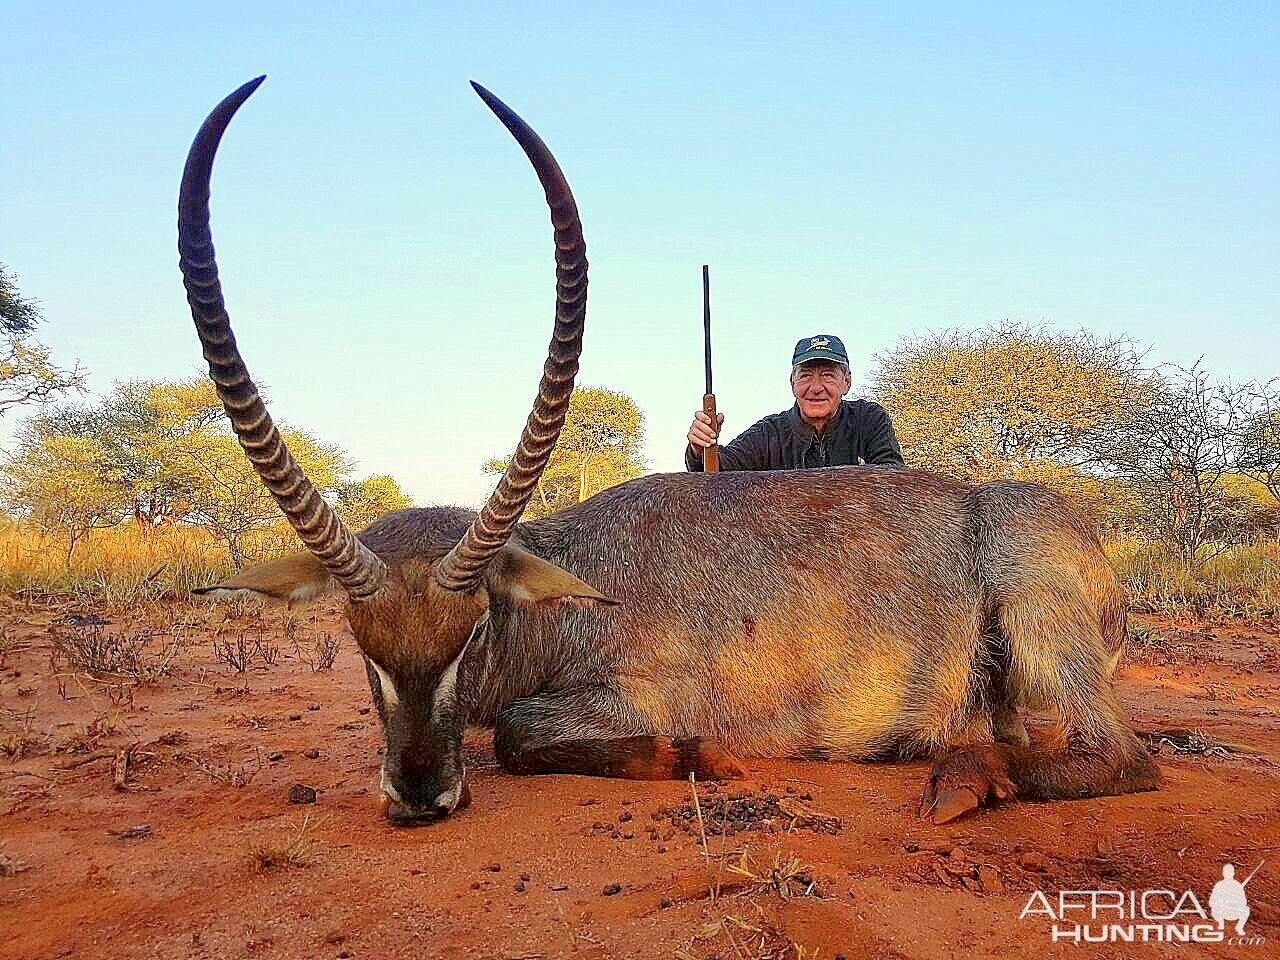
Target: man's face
x,y
818,386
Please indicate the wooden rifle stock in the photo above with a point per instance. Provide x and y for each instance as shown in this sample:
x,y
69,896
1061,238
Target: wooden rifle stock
x,y
710,455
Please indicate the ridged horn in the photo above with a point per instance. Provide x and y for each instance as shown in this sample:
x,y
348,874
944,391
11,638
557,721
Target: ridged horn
x,y
352,564
462,567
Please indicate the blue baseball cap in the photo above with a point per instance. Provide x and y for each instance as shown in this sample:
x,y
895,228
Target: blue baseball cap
x,y
821,346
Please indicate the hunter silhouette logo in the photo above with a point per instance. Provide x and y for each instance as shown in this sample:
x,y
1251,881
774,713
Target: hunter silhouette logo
x,y
1228,900
1149,916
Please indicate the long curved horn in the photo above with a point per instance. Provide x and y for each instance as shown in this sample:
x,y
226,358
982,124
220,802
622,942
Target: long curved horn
x,y
352,564
461,568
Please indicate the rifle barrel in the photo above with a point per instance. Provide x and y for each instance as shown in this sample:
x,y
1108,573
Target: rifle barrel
x,y
706,322
1255,870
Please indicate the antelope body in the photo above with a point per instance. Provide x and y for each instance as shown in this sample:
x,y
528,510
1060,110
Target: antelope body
x,y
670,623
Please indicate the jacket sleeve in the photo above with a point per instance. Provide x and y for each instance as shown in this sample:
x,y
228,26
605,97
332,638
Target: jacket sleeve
x,y
747,451
881,448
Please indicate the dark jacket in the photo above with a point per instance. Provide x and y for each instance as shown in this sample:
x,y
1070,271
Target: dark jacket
x,y
859,433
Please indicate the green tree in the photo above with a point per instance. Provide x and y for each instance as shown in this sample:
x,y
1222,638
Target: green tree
x,y
599,447
362,502
27,373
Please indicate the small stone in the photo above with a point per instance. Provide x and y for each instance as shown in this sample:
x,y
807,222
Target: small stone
x,y
363,711
334,936
295,716
301,793
611,890
558,887
520,888
989,879
911,847
1032,860
313,706
275,757
624,817
524,877
311,753
494,868
662,849
664,905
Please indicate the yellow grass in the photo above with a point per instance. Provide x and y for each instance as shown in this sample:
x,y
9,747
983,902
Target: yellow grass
x,y
1243,582
124,564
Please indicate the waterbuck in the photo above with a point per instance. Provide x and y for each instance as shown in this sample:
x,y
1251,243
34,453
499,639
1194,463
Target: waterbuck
x,y
669,624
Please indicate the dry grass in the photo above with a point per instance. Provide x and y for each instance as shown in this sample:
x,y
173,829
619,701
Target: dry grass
x,y
19,737
740,938
127,654
292,850
240,652
1242,583
88,738
786,876
322,652
233,775
11,866
125,564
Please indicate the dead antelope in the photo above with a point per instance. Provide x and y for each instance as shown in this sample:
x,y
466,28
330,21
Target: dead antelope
x,y
668,624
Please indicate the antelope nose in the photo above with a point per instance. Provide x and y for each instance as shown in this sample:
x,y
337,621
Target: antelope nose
x,y
407,815
411,815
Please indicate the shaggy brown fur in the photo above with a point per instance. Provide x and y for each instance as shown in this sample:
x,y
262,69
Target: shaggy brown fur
x,y
850,613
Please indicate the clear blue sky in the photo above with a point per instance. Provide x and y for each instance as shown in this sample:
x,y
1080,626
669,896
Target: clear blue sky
x,y
869,170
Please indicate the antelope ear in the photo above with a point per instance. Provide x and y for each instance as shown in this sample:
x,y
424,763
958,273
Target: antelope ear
x,y
295,578
520,575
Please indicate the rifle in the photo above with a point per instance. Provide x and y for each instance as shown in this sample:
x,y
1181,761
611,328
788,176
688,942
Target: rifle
x,y
1250,876
711,455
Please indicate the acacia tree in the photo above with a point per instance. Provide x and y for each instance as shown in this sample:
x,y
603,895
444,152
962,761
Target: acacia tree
x,y
227,496
1006,401
363,501
599,447
27,374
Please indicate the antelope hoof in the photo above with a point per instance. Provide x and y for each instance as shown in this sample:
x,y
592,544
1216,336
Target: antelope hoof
x,y
707,760
969,778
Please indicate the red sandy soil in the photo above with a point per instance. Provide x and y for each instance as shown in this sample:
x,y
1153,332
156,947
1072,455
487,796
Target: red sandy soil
x,y
522,873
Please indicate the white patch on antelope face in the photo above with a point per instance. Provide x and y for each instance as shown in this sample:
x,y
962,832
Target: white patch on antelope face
x,y
446,695
390,698
388,788
450,798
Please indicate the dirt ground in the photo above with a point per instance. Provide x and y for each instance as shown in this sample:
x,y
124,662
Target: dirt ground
x,y
154,820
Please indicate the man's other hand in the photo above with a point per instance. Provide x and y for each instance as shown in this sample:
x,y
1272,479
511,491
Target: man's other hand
x,y
702,434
